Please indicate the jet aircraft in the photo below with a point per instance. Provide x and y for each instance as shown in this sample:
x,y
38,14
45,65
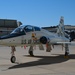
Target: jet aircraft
x,y
32,35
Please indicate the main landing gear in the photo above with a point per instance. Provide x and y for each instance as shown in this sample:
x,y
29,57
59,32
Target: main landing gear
x,y
13,58
66,51
31,51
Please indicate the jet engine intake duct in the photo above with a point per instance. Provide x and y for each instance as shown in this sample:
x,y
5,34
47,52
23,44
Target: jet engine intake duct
x,y
43,40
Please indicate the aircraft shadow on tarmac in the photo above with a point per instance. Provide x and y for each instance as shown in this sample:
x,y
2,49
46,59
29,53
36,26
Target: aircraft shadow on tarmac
x,y
45,60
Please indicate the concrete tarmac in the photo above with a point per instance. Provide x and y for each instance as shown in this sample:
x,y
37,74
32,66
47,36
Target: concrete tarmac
x,y
43,63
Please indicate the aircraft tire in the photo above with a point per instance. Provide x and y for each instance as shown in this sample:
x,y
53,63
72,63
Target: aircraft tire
x,y
13,59
66,53
31,53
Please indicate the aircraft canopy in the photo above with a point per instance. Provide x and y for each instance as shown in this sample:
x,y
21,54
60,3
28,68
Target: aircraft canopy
x,y
26,28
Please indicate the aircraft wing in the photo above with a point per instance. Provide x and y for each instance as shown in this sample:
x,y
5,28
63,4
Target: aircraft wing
x,y
66,43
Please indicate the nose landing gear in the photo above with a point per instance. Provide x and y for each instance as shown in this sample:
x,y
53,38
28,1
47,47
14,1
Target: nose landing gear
x,y
13,58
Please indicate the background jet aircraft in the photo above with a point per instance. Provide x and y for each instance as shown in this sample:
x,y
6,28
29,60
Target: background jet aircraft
x,y
31,35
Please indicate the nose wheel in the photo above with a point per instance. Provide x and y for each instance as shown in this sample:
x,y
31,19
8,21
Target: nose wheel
x,y
13,59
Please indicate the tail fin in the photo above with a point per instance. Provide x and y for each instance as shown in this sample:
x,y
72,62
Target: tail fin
x,y
60,30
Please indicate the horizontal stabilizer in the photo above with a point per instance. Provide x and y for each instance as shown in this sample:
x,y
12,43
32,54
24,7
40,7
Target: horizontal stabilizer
x,y
70,43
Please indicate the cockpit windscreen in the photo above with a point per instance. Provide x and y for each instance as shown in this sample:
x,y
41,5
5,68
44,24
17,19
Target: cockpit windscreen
x,y
18,30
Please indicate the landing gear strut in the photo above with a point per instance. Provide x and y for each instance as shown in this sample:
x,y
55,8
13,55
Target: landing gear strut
x,y
13,58
31,51
66,50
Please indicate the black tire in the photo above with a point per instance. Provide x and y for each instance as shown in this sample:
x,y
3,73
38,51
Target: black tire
x,y
31,53
66,53
13,59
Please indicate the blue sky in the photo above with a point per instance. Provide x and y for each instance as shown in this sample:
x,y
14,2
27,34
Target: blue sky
x,y
38,12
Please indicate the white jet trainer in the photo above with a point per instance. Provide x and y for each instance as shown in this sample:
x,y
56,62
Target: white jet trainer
x,y
31,35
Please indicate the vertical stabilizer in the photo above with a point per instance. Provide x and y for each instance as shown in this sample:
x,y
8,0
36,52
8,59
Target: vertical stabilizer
x,y
60,30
